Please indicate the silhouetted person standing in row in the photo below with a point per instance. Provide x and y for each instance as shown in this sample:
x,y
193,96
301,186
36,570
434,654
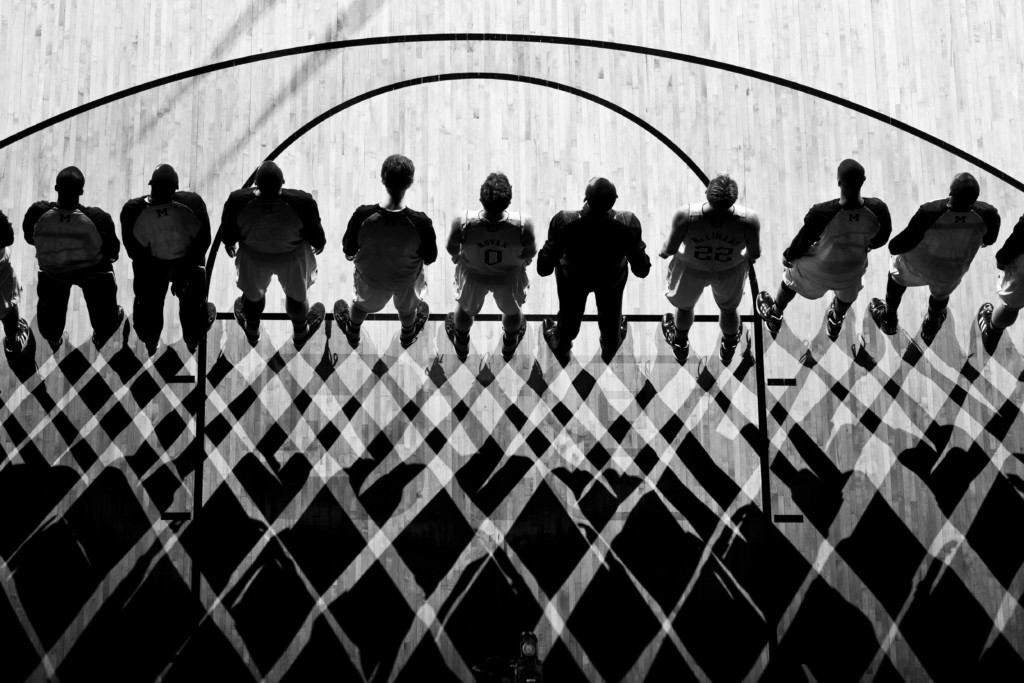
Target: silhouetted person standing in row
x,y
278,233
936,250
75,245
588,251
389,244
166,235
17,333
992,320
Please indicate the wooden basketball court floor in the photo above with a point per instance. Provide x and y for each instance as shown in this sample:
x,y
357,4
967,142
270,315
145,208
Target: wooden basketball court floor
x,y
816,511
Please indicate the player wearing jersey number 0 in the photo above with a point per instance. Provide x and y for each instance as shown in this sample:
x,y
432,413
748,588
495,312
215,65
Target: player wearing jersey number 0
x,y
936,250
710,245
491,249
829,253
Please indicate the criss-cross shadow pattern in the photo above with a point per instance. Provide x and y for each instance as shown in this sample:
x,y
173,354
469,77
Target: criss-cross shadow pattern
x,y
399,515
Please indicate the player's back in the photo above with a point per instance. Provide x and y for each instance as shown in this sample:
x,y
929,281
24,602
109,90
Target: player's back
x,y
388,255
168,229
66,239
270,225
714,241
842,248
950,243
492,248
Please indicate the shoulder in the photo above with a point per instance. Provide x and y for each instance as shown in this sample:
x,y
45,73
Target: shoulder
x,y
985,209
293,196
876,206
826,208
936,207
418,218
94,213
242,196
746,215
189,199
627,218
42,206
135,204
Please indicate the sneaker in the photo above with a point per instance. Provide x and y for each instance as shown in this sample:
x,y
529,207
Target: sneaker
x,y
931,324
422,315
509,344
211,317
549,332
680,349
766,309
459,340
55,344
833,323
314,319
727,349
990,334
888,322
343,318
251,336
100,339
17,345
608,352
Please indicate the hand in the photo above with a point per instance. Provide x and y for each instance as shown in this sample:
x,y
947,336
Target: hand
x,y
456,256
317,252
787,263
664,254
350,258
231,250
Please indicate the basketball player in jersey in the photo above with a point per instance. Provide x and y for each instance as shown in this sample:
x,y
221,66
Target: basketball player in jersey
x,y
1010,259
491,249
588,251
829,253
710,244
389,243
17,333
166,235
75,245
278,232
935,250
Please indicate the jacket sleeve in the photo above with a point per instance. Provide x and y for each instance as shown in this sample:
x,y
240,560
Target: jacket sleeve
x,y
554,247
915,230
1013,247
229,230
110,245
815,222
428,239
879,208
6,231
992,220
312,229
32,216
129,215
350,240
529,240
636,250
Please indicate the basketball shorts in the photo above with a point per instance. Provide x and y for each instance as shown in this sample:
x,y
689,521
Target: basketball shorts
x,y
10,288
904,273
803,283
685,285
370,299
509,290
295,271
1011,289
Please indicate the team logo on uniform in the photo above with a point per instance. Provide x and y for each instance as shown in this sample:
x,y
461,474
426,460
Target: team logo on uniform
x,y
64,217
267,210
161,212
959,219
854,217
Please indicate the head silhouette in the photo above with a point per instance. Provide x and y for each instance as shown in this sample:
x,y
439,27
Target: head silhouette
x,y
600,195
850,174
963,191
496,193
70,182
164,181
722,191
397,174
269,178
